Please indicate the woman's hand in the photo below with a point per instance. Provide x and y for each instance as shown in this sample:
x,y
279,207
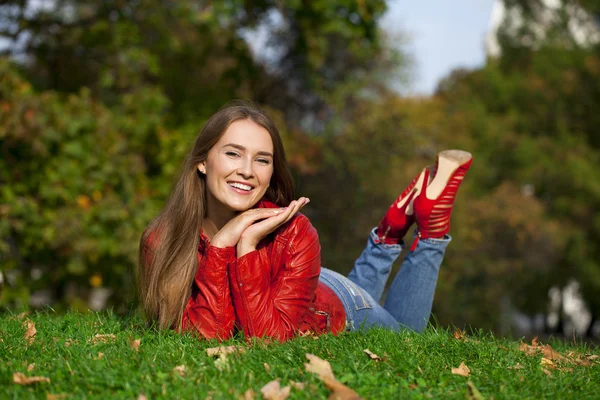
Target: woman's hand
x,y
230,234
255,232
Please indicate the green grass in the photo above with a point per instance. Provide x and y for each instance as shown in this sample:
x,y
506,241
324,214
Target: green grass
x,y
414,365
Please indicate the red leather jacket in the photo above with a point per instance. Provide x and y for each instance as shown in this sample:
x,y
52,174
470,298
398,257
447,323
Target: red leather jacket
x,y
271,292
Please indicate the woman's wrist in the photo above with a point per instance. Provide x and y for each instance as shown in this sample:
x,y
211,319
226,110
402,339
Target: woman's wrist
x,y
243,248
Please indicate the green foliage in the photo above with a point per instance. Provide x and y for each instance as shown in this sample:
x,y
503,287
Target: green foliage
x,y
75,195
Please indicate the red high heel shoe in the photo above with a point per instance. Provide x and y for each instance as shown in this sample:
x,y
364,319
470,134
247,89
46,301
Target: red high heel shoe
x,y
400,217
433,206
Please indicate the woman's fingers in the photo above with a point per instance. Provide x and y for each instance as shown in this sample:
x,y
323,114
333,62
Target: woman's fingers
x,y
269,225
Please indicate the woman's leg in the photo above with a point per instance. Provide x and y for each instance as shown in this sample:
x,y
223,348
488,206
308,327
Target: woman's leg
x,y
410,296
372,269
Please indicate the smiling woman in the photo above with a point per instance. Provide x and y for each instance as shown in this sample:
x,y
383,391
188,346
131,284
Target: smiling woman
x,y
230,250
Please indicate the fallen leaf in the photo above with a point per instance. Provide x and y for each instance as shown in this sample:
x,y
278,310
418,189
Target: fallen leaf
x,y
544,370
323,370
100,356
372,355
22,315
593,357
462,370
413,386
273,391
249,394
50,396
30,367
340,391
69,342
135,344
517,366
180,369
552,354
103,338
535,341
548,363
319,366
459,334
267,367
20,379
30,332
221,363
224,350
297,385
142,396
527,349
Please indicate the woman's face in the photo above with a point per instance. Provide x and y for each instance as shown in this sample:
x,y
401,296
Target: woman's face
x,y
239,167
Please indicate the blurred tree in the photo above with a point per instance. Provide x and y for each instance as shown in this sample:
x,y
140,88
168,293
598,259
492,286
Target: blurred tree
x,y
542,91
198,53
73,192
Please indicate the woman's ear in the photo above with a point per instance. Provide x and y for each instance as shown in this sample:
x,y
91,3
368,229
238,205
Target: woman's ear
x,y
202,167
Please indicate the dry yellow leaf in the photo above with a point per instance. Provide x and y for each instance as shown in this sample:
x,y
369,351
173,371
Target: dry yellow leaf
x,y
50,396
340,391
30,367
517,366
545,362
142,396
30,332
20,379
372,355
544,370
297,385
224,350
100,356
135,344
462,370
273,391
319,366
249,394
180,369
102,338
459,334
267,367
323,370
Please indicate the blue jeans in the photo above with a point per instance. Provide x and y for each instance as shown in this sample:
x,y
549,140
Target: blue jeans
x,y
410,297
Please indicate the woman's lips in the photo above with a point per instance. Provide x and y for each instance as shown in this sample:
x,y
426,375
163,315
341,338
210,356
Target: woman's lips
x,y
241,188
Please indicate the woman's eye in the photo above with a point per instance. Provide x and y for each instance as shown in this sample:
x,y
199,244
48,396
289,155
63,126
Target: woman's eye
x,y
232,154
264,161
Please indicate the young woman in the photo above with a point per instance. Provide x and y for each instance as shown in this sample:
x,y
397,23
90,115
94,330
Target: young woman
x,y
231,252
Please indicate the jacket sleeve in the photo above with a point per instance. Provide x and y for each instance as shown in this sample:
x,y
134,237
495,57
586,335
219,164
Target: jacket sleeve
x,y
210,309
276,306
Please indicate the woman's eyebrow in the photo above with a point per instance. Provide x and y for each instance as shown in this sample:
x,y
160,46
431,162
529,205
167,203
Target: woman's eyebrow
x,y
240,147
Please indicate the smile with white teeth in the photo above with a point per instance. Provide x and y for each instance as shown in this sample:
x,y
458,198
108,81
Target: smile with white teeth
x,y
240,186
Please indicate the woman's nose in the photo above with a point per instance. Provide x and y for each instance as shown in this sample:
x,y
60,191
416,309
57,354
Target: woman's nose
x,y
245,169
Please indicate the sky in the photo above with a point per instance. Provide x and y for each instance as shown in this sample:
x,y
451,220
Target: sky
x,y
439,35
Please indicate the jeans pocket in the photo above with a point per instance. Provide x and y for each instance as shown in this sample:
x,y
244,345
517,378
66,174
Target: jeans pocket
x,y
359,298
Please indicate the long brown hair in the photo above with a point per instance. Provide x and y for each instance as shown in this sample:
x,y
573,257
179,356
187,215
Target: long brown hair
x,y
169,245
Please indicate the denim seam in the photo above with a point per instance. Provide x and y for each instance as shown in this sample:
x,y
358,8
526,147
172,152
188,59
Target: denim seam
x,y
353,289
